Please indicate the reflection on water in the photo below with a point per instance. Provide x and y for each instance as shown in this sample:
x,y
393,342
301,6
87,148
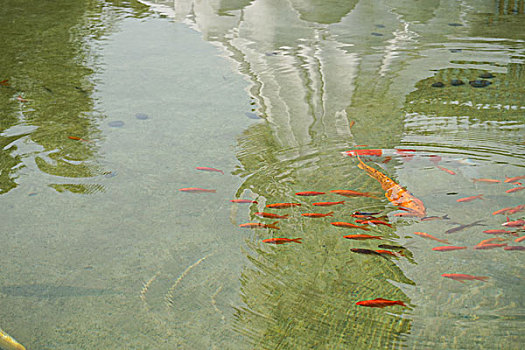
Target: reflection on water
x,y
444,79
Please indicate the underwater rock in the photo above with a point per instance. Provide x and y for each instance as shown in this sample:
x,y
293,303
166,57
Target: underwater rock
x,y
438,84
141,116
456,82
479,83
486,75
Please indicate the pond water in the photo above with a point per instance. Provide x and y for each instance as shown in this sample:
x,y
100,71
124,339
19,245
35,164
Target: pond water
x,y
109,107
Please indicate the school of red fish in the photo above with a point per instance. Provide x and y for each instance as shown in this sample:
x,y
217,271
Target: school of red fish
x,y
408,206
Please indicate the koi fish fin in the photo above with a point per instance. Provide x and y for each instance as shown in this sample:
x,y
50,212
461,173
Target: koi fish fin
x,y
274,225
296,240
399,302
330,213
481,278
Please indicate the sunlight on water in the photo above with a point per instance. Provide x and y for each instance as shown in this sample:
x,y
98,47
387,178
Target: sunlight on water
x,y
111,108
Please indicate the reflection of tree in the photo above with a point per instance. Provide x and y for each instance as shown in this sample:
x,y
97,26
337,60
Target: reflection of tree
x,y
44,58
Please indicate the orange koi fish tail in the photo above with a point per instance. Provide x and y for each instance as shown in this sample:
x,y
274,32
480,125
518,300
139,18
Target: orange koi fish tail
x,y
481,278
274,225
296,240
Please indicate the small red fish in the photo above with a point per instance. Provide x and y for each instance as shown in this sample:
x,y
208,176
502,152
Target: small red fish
x,y
352,123
490,246
243,201
77,138
327,204
282,240
516,209
21,99
309,193
361,237
513,179
349,225
487,180
373,222
497,232
515,223
519,239
259,225
350,193
514,247
426,235
468,199
515,189
462,277
380,302
317,215
388,252
196,190
386,160
490,240
446,170
205,168
4,82
271,215
364,152
501,211
283,205
447,248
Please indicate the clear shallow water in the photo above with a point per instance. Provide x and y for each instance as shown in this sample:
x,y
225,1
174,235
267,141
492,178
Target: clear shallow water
x,y
102,251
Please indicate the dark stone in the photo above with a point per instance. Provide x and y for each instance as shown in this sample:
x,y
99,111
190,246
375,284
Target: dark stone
x,y
380,26
438,84
456,82
479,83
454,50
486,75
455,24
376,34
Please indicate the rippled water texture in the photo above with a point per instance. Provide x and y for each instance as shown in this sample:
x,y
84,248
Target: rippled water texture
x,y
112,238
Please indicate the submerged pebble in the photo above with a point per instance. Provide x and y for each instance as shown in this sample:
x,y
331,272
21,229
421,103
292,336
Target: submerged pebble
x,y
141,116
438,84
454,50
486,75
116,123
455,24
456,82
479,83
376,34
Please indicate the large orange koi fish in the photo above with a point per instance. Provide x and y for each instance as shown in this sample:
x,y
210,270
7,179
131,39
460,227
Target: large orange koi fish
x,y
396,194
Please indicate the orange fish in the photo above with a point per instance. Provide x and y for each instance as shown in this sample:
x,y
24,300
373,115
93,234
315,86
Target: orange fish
x,y
490,240
364,152
195,190
497,232
468,199
380,302
514,247
426,235
463,277
350,193
446,170
242,201
501,211
519,239
327,204
515,189
77,138
388,252
21,99
351,123
396,194
309,193
373,222
271,215
361,237
317,215
349,225
513,179
282,240
259,225
490,246
516,209
4,82
486,180
447,248
205,168
515,223
283,205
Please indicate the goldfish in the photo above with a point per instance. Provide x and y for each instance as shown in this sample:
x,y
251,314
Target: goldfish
x,y
426,235
462,227
519,239
515,223
396,194
514,179
428,218
501,211
468,199
271,215
497,232
386,160
77,138
243,201
317,215
205,168
514,247
373,222
364,152
4,82
463,277
515,189
282,240
380,302
349,225
388,252
351,124
490,246
361,237
486,241
195,190
282,205
309,193
486,180
21,99
259,225
516,209
350,193
326,204
446,170
9,343
447,248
